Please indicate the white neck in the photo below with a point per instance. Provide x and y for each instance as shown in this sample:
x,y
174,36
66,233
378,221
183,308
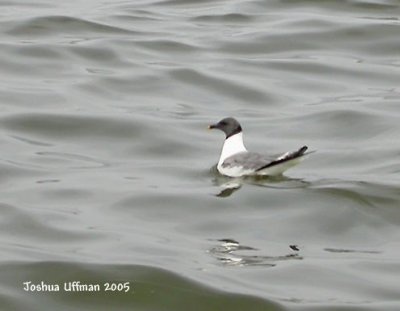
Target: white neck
x,y
232,145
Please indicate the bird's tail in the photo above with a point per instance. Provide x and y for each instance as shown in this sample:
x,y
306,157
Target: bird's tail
x,y
287,157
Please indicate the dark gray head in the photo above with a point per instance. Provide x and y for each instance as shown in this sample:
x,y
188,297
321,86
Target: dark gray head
x,y
228,125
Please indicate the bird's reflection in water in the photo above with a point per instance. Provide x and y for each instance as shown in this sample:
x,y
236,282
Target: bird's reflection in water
x,y
230,185
228,253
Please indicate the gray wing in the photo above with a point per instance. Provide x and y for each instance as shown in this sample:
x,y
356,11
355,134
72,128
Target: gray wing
x,y
255,161
248,160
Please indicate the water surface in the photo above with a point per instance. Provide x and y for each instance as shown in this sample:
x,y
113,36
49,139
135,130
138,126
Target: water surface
x,y
107,173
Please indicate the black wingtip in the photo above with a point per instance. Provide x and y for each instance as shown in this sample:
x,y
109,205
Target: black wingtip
x,y
302,150
287,157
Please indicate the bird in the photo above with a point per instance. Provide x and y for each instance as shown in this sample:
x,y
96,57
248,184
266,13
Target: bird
x,y
236,161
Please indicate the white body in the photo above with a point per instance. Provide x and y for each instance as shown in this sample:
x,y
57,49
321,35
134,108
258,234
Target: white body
x,y
234,145
279,168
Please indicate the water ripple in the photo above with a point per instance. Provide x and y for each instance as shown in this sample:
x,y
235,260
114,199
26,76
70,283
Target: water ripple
x,y
105,158
67,25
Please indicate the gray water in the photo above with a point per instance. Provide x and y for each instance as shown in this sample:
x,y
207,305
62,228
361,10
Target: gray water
x,y
108,175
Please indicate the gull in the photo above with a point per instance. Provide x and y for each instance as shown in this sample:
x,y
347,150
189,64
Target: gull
x,y
236,161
